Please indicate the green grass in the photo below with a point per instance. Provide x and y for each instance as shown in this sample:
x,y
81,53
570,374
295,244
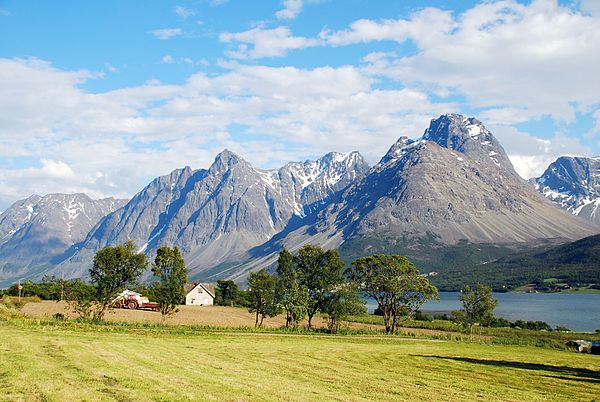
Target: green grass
x,y
70,361
503,336
582,290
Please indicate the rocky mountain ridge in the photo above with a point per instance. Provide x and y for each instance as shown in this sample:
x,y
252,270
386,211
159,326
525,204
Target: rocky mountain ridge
x,y
216,215
451,187
573,183
38,229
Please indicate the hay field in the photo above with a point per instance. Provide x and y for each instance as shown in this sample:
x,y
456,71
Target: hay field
x,y
216,316
187,315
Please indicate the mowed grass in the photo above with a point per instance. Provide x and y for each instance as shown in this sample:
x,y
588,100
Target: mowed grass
x,y
45,362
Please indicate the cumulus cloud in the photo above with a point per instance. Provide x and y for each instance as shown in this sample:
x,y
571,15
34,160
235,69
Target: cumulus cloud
x,y
426,26
113,143
531,155
291,9
590,6
537,59
260,42
167,33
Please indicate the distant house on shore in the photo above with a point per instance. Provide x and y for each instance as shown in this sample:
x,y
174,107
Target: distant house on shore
x,y
199,294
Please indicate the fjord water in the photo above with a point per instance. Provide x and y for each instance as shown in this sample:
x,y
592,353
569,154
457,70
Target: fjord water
x,y
578,312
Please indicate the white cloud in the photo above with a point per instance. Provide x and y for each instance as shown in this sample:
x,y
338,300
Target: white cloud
x,y
167,33
590,6
265,42
115,142
110,68
57,169
183,12
526,61
168,59
291,9
425,26
531,155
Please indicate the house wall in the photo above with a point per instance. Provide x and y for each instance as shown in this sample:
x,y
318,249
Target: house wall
x,y
198,297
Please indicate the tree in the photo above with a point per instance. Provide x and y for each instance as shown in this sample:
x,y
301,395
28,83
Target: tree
x,y
342,302
78,294
170,269
291,296
394,283
113,268
478,305
319,272
262,296
227,293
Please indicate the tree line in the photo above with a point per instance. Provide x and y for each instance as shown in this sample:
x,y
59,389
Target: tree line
x,y
113,269
314,281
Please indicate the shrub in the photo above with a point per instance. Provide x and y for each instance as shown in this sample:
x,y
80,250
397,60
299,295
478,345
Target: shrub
x,y
59,317
421,316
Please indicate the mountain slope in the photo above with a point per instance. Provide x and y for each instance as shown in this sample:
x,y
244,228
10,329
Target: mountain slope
x,y
574,262
573,183
450,195
216,215
36,230
455,183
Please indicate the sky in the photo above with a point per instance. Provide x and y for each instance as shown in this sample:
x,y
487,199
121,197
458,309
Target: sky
x,y
100,97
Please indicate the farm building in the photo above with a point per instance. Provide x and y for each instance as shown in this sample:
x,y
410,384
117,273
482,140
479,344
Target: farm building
x,y
199,294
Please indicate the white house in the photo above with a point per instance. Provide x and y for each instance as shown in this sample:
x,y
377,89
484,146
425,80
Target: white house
x,y
199,294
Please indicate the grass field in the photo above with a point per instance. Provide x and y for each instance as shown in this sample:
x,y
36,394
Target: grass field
x,y
40,362
53,360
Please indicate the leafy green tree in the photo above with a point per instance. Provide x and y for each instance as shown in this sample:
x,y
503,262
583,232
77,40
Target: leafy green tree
x,y
262,296
78,294
171,271
227,293
114,268
341,302
478,306
291,296
394,283
319,272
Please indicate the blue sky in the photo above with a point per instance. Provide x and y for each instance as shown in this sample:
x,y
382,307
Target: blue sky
x,y
101,96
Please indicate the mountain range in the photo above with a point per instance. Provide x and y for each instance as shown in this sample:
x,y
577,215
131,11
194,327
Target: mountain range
x,y
35,232
573,183
447,198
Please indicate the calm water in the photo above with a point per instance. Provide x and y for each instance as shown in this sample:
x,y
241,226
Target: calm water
x,y
578,312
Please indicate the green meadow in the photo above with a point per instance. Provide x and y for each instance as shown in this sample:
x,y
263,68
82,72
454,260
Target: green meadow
x,y
41,360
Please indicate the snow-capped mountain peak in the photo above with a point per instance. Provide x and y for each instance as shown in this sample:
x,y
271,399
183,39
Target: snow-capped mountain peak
x,y
573,183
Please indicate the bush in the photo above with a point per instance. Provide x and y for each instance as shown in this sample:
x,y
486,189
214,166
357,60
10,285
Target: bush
x,y
532,325
421,316
59,317
499,322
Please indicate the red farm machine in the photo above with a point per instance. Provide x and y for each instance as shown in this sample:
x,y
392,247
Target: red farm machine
x,y
134,301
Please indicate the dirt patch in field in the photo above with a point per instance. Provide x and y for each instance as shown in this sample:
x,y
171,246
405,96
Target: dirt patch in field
x,y
216,316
